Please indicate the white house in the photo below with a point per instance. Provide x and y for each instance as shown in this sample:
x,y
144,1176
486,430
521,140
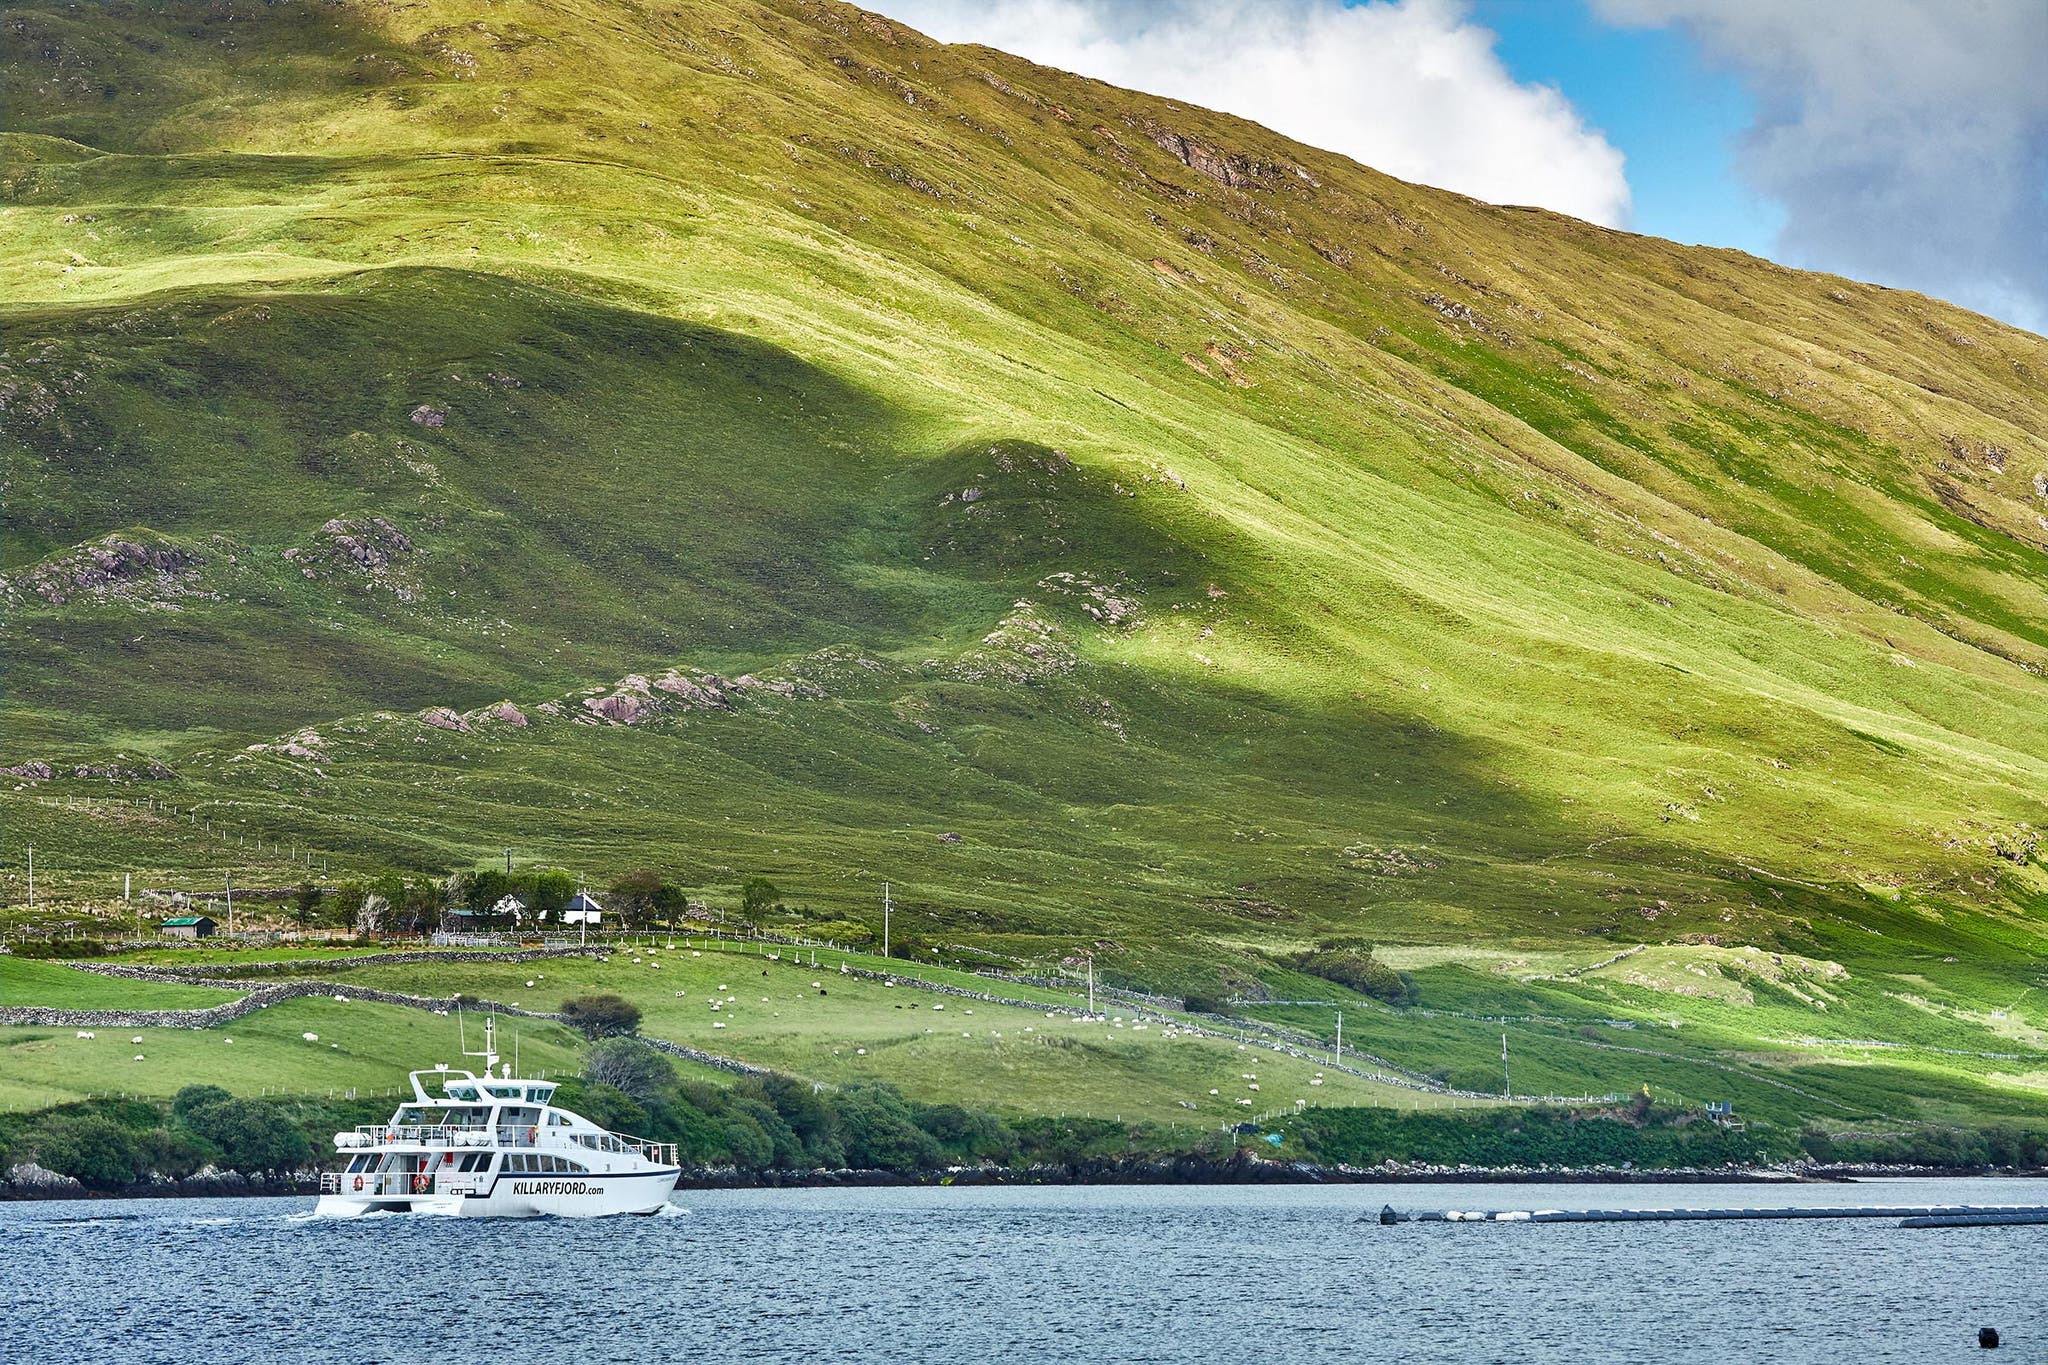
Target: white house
x,y
583,909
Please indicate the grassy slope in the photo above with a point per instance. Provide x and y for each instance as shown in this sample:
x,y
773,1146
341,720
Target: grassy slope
x,y
1588,571
1000,1058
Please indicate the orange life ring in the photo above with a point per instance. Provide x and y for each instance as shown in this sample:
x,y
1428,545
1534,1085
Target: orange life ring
x,y
419,1184
359,1182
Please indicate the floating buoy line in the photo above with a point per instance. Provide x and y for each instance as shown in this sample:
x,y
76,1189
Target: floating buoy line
x,y
1927,1216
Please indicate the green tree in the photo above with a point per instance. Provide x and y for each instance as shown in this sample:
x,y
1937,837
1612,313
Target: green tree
x,y
759,897
343,904
548,893
610,1108
194,1096
306,904
90,1148
635,895
878,1132
631,1067
420,912
251,1136
601,1016
484,889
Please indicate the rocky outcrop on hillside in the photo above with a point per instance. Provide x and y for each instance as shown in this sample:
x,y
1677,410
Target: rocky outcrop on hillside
x,y
372,549
131,567
307,745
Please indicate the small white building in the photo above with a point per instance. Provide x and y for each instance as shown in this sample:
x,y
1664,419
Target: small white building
x,y
583,909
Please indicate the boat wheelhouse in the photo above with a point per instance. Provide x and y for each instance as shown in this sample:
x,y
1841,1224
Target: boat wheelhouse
x,y
494,1145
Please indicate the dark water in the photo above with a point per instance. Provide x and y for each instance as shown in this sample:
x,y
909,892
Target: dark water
x,y
1226,1274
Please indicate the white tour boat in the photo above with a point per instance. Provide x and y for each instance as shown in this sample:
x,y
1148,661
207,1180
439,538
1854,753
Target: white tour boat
x,y
494,1146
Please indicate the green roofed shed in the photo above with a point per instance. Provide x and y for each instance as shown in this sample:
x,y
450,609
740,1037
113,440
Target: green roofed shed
x,y
189,926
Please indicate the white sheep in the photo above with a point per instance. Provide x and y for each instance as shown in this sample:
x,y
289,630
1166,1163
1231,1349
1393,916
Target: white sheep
x,y
310,1037
84,1033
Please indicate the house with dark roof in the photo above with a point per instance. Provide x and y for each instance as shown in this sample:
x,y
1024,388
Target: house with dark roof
x,y
583,909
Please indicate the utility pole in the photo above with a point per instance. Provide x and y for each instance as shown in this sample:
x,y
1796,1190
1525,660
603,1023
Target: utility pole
x,y
1091,983
1338,1060
508,862
228,880
31,876
885,919
1507,1086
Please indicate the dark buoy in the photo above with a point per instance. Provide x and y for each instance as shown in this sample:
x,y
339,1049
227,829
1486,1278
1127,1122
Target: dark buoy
x,y
1388,1218
1987,1337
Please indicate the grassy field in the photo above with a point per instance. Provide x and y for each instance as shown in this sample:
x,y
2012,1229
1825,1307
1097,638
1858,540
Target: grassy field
x,y
1122,529
1001,1058
25,982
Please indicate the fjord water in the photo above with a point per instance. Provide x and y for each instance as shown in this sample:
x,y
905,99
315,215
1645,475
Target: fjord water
x,y
1029,1274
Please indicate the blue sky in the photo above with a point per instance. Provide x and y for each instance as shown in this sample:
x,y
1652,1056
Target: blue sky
x,y
1649,91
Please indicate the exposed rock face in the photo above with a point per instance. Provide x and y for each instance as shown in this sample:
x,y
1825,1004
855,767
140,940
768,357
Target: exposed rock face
x,y
308,746
112,567
1386,862
625,706
1024,646
35,768
706,690
124,771
505,713
427,415
30,1178
441,718
371,547
1114,606
1225,168
369,542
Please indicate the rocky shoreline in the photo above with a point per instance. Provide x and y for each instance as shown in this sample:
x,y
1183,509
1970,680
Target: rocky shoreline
x,y
29,1181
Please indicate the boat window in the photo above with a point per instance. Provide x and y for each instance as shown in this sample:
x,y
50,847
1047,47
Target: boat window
x,y
462,1092
557,1121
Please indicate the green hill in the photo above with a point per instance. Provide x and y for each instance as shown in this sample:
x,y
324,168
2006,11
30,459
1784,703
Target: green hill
x,y
828,441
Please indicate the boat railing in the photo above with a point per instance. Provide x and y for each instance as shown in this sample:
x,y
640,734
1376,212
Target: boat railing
x,y
446,1133
660,1153
396,1184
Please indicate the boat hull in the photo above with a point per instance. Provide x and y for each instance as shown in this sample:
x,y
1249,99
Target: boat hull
x,y
594,1195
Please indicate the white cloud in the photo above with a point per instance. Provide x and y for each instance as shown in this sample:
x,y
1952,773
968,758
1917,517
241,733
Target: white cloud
x,y
1408,87
1907,140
